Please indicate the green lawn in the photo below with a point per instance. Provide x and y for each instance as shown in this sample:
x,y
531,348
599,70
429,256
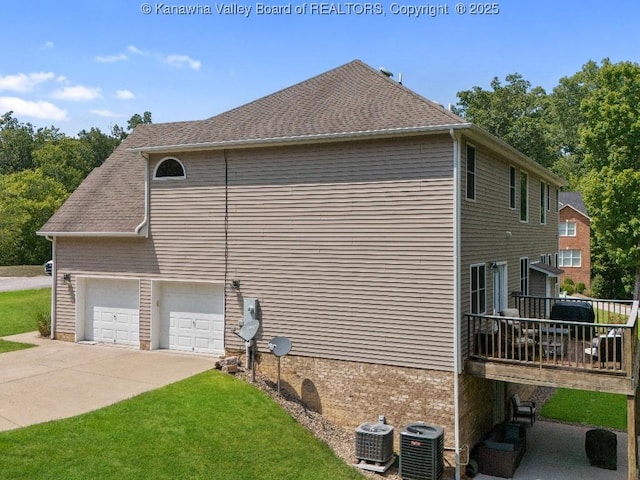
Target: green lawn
x,y
19,310
208,426
607,410
211,426
19,314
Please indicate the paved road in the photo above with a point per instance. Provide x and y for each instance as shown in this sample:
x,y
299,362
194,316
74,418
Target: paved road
x,y
24,283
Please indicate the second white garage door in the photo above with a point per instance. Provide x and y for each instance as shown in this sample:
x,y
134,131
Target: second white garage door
x,y
192,317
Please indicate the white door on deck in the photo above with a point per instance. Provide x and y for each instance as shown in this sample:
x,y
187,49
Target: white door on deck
x,y
500,296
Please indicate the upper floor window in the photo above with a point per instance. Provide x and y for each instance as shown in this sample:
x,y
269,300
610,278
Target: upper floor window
x,y
524,197
567,229
512,188
471,172
169,168
544,198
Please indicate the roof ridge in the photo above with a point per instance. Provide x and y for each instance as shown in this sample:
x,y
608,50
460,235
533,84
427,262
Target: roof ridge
x,y
415,94
277,92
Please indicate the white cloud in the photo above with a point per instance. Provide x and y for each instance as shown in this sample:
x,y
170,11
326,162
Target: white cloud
x,y
106,113
111,58
38,109
136,50
48,44
78,93
24,82
125,95
182,60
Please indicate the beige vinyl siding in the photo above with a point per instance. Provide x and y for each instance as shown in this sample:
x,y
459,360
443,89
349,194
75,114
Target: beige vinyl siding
x,y
491,231
98,257
187,218
348,248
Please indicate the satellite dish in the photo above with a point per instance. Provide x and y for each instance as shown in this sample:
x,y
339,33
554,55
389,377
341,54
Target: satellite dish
x,y
280,346
248,330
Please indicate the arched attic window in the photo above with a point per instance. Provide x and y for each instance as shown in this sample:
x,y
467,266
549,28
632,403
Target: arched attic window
x,y
169,168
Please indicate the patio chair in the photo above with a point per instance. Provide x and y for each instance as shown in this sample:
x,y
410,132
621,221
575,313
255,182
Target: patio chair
x,y
607,348
520,341
523,409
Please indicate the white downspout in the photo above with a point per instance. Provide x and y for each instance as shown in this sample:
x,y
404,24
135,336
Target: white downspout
x,y
54,285
456,299
145,220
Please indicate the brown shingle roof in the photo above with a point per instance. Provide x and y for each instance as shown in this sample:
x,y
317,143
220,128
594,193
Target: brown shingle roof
x,y
347,100
109,200
352,98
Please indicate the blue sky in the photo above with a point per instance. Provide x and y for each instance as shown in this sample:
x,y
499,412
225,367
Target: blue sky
x,y
82,64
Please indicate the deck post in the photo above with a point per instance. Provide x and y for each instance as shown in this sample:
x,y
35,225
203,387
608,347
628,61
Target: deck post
x,y
632,438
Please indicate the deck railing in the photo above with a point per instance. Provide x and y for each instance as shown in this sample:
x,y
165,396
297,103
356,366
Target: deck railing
x,y
607,345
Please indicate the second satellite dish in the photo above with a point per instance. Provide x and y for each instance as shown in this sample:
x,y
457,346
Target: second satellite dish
x,y
280,346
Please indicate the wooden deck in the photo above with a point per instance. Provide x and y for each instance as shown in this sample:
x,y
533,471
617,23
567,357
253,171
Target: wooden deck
x,y
545,352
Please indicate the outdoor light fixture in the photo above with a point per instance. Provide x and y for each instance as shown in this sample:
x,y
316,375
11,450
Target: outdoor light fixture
x,y
66,277
235,284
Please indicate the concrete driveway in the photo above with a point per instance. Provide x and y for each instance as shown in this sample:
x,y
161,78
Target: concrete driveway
x,y
61,379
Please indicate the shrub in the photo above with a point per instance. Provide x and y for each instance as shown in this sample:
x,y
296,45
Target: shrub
x,y
44,323
568,286
580,287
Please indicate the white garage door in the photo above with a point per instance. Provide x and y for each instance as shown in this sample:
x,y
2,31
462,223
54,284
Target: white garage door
x,y
192,317
113,311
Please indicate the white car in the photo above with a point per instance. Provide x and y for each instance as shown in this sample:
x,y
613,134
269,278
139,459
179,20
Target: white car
x,y
48,267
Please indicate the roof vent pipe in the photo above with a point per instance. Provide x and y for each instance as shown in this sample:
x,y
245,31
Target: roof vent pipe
x,y
400,78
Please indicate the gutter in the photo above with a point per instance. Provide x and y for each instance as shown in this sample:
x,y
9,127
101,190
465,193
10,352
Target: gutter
x,y
54,285
145,220
456,299
299,139
92,234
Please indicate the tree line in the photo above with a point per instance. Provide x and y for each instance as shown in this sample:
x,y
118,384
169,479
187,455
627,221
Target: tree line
x,y
587,130
39,169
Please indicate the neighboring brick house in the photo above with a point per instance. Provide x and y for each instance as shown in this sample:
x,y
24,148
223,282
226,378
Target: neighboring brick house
x,y
366,220
574,239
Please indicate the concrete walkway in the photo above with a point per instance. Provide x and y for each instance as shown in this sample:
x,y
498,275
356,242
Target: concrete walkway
x,y
61,379
555,451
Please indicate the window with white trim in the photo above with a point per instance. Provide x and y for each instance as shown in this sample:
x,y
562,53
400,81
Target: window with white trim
x,y
524,275
169,168
570,258
567,229
471,172
478,288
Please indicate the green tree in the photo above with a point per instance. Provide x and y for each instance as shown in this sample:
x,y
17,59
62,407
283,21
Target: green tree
x,y
17,142
27,199
515,112
101,144
610,138
68,161
137,119
566,118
